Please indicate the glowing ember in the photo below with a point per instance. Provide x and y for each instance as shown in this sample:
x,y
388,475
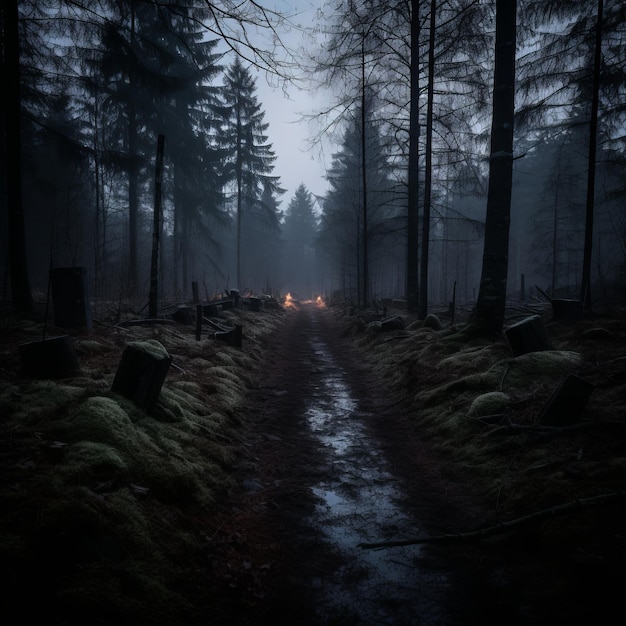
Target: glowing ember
x,y
289,301
294,303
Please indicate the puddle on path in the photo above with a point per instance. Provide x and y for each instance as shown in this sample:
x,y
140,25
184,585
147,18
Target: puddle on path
x,y
362,504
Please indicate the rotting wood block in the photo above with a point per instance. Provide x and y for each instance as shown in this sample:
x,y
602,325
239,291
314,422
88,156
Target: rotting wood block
x,y
141,372
529,335
567,403
49,358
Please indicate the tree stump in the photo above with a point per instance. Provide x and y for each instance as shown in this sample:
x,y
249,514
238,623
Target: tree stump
x,y
567,403
233,337
141,372
70,298
395,322
254,304
529,335
564,310
183,315
49,358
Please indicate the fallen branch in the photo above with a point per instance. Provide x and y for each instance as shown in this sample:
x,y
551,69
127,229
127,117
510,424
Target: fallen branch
x,y
502,527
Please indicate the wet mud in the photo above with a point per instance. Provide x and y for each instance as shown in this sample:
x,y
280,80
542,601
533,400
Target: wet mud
x,y
330,465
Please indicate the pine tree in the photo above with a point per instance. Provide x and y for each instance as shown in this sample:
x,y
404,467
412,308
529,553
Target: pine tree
x,y
299,234
341,231
249,159
188,111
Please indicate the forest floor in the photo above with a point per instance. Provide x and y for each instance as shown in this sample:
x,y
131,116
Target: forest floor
x,y
203,511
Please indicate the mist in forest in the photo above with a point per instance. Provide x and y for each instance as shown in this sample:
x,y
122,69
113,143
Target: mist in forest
x,y
97,84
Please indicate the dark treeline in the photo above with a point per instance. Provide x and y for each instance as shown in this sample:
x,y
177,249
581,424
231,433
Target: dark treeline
x,y
412,108
451,79
99,83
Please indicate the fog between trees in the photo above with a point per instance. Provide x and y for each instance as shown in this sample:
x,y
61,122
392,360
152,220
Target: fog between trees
x,y
99,82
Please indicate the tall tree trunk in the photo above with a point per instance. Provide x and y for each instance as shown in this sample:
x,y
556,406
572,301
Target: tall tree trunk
x,y
364,172
12,148
412,279
591,176
423,299
133,196
156,230
488,315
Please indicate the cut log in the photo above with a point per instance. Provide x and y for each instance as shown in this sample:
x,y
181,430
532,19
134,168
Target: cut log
x,y
141,372
70,298
50,358
566,405
529,335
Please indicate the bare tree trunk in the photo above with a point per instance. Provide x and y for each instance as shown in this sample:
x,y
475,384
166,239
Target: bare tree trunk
x,y
239,167
133,202
11,155
412,279
488,315
423,299
364,174
156,231
591,177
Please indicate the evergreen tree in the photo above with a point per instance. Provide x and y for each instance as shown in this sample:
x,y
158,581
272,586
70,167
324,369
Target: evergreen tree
x,y
249,159
299,234
189,112
341,231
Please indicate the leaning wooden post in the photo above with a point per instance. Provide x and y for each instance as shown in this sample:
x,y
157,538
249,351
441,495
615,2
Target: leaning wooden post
x,y
194,291
453,303
199,314
156,230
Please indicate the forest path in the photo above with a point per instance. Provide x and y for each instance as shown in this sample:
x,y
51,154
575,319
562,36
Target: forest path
x,y
329,461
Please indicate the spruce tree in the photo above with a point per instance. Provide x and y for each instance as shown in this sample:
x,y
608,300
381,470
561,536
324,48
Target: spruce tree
x,y
299,234
249,158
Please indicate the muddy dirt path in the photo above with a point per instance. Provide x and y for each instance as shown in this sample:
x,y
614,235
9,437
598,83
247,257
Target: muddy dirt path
x,y
328,462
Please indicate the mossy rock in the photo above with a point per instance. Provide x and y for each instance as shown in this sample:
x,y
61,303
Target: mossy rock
x,y
489,403
527,369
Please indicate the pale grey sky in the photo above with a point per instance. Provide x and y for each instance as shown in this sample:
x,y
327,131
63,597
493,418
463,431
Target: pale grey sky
x,y
297,162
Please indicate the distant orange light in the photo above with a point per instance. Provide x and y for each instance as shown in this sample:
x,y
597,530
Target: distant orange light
x,y
289,301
